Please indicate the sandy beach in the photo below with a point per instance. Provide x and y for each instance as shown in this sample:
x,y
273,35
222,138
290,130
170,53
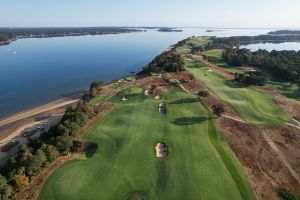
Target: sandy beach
x,y
37,110
38,118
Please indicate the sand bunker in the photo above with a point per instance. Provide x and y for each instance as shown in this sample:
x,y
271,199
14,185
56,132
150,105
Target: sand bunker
x,y
161,150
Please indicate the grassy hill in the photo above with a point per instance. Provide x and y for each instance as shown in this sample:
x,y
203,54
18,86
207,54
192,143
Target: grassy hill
x,y
251,104
122,164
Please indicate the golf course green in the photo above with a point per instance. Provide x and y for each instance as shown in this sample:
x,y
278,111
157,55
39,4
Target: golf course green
x,y
121,163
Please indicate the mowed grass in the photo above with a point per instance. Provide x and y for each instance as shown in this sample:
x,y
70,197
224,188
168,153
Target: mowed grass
x,y
200,165
252,105
193,41
215,56
288,89
100,98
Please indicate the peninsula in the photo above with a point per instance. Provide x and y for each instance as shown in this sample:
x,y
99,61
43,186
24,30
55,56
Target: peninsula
x,y
8,35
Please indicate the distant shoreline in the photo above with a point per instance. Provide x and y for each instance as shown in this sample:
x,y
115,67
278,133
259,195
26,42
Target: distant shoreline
x,y
11,35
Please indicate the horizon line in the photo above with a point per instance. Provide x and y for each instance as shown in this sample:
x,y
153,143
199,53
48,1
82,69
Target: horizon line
x,y
211,27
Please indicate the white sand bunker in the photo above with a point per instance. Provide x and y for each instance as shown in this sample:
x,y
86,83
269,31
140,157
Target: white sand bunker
x,y
147,92
162,108
161,150
209,70
124,98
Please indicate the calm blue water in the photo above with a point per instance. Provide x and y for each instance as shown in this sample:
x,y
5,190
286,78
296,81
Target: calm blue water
x,y
271,46
43,70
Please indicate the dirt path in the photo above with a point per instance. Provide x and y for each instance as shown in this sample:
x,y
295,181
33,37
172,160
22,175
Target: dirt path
x,y
179,83
234,119
289,124
37,110
281,156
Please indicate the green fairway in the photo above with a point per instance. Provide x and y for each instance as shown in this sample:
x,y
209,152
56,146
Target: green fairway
x,y
100,98
122,163
253,106
215,56
288,89
195,41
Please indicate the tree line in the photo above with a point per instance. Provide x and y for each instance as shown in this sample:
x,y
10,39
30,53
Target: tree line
x,y
252,78
283,64
38,153
168,61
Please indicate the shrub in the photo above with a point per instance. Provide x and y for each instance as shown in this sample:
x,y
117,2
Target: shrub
x,y
218,109
285,194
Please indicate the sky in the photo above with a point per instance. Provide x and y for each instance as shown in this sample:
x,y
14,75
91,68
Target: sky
x,y
179,13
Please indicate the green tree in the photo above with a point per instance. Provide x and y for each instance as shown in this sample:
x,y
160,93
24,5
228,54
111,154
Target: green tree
x,y
285,194
63,143
95,88
203,94
50,151
7,193
35,163
218,109
3,183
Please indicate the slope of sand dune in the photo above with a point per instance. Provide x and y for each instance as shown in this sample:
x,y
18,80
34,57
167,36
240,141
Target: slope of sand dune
x,y
37,110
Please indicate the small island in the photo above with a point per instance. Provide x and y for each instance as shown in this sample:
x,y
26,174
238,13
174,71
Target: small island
x,y
165,29
285,32
213,30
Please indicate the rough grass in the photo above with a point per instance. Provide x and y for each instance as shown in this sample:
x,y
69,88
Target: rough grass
x,y
253,106
200,165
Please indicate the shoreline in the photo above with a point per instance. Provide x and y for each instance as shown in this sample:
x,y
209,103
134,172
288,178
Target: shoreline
x,y
13,127
37,110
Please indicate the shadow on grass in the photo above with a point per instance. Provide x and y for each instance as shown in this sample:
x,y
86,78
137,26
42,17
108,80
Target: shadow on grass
x,y
185,100
188,121
235,84
195,64
288,89
91,150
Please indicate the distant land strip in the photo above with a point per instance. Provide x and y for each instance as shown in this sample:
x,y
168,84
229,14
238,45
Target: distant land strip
x,y
8,35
